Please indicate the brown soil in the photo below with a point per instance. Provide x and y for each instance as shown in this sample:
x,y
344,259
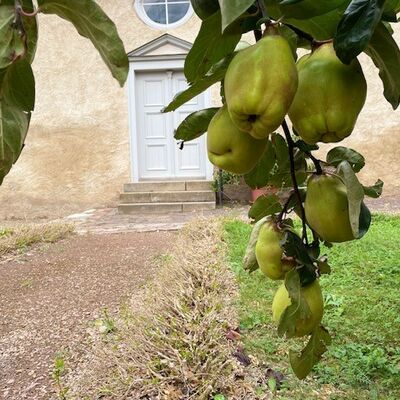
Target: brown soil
x,y
51,295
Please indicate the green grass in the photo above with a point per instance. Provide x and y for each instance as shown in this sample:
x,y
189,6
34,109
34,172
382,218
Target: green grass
x,y
362,312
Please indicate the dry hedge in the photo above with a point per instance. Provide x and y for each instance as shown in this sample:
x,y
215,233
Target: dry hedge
x,y
172,341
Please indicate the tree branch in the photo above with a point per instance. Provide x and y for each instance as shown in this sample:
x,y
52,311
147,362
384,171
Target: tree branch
x,y
291,146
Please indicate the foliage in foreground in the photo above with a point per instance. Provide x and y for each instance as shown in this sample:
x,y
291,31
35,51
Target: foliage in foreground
x,y
361,304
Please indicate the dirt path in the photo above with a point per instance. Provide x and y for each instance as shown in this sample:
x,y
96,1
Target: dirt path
x,y
50,295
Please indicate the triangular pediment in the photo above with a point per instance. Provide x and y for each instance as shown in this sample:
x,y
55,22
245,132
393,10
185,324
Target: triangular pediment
x,y
163,45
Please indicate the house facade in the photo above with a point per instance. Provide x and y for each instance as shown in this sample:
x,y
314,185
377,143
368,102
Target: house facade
x,y
89,138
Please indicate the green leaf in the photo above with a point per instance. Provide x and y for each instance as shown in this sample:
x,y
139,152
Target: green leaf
x,y
294,247
14,125
250,261
374,191
357,27
317,345
18,86
258,177
340,153
386,56
264,206
233,9
195,125
216,74
12,38
297,310
392,7
306,9
365,221
91,22
355,194
210,46
205,8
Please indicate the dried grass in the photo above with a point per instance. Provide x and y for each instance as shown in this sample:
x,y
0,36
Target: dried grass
x,y
24,235
171,343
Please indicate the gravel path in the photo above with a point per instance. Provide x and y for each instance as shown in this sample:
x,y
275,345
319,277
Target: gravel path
x,y
50,295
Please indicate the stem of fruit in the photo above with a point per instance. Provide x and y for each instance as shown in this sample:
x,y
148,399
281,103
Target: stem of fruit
x,y
317,163
291,146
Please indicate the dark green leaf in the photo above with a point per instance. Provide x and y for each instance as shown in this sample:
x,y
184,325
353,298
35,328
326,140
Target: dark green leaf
x,y
14,125
233,9
250,261
391,9
210,46
91,22
340,153
205,8
357,27
195,125
317,345
306,9
374,191
265,205
12,39
386,56
305,147
216,74
258,177
365,220
294,247
18,86
298,309
355,194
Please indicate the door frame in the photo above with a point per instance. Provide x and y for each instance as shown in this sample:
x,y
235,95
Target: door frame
x,y
156,63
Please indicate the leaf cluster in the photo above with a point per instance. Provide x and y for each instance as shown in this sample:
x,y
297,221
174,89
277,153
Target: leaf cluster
x,y
18,41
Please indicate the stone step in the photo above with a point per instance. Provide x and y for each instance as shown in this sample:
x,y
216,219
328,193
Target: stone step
x,y
167,186
154,208
167,197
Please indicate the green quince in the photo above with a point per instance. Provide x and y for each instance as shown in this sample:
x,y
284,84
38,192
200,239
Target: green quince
x,y
312,295
269,253
260,84
329,98
231,149
327,208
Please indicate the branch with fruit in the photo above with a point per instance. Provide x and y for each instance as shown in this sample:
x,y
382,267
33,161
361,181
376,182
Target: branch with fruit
x,y
322,94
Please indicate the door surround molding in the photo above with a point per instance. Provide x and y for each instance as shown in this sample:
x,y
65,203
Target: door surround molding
x,y
143,59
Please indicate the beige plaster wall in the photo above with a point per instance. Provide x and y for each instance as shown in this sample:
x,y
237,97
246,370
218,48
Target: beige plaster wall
x,y
77,151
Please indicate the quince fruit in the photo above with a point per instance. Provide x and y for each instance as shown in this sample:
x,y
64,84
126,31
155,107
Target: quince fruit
x,y
313,296
260,84
205,8
231,149
329,98
269,253
327,208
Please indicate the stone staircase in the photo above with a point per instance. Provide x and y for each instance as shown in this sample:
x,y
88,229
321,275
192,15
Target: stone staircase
x,y
166,197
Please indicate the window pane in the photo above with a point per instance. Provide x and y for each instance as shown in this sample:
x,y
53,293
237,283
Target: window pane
x,y
176,12
156,13
153,1
178,1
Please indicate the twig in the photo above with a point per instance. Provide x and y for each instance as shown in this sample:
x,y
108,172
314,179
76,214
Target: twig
x,y
291,146
263,8
300,33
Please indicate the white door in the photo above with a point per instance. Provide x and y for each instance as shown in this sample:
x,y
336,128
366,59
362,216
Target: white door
x,y
159,153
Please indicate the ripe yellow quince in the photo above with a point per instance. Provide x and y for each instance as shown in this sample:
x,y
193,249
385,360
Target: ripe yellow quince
x,y
327,208
313,296
260,84
329,98
231,149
